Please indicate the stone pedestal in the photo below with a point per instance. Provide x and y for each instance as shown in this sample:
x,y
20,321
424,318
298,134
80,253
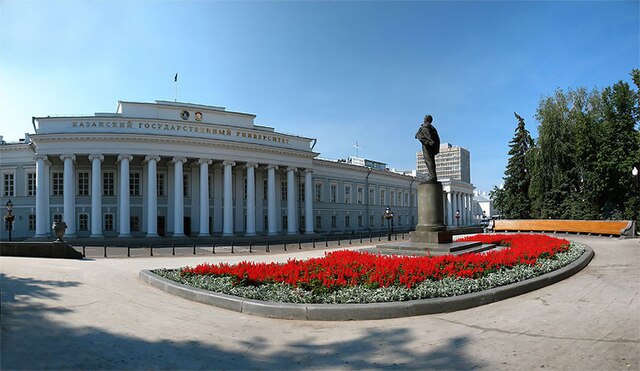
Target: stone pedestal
x,y
431,227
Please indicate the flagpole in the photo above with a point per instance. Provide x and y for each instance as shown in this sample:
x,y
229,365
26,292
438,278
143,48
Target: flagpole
x,y
175,81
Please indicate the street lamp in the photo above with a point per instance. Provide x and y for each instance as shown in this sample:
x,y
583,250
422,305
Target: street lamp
x,y
389,216
458,218
9,217
635,212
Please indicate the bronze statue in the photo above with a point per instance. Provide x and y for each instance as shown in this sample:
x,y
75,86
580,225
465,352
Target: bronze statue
x,y
428,136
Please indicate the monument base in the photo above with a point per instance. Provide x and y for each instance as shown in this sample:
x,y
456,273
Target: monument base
x,y
419,236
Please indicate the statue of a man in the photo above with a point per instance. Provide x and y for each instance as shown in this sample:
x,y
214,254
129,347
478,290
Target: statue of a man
x,y
428,136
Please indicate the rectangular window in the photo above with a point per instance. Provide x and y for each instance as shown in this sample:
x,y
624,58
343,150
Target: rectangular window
x,y
319,221
334,221
347,194
406,199
32,222
334,193
134,184
244,197
57,218
347,221
360,221
301,221
318,192
31,184
383,196
185,186
301,192
399,203
9,183
160,185
372,196
399,219
265,190
134,224
108,222
360,195
83,222
266,222
210,186
285,222
83,183
108,183
392,200
57,186
283,191
371,220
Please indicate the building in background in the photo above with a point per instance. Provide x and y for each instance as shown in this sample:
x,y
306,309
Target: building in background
x,y
453,162
181,169
482,206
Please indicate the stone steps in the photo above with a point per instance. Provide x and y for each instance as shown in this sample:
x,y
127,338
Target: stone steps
x,y
432,249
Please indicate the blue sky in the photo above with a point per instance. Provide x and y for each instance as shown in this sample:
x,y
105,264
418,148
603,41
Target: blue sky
x,y
337,71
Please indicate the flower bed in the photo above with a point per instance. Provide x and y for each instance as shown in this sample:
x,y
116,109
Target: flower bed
x,y
351,276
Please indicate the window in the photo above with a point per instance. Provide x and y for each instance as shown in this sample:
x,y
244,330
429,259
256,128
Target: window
x,y
31,184
9,183
347,194
347,221
185,186
392,200
382,220
301,192
360,195
319,221
406,199
32,222
83,222
134,184
134,224
210,186
372,196
383,196
265,190
108,222
160,188
57,180
57,218
360,221
266,222
283,191
399,219
334,221
399,203
334,193
318,192
285,222
302,220
83,183
244,197
371,220
108,183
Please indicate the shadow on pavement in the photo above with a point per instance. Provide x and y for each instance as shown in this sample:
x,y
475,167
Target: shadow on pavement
x,y
30,339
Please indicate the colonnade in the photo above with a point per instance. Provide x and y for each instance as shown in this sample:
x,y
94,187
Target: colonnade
x,y
458,203
124,160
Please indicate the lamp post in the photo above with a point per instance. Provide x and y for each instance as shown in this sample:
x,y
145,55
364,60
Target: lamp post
x,y
635,174
389,216
9,217
458,218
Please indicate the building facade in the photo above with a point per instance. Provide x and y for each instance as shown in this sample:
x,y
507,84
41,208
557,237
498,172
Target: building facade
x,y
179,169
453,162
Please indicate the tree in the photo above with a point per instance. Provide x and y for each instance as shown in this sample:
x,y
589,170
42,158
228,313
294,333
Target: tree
x,y
513,199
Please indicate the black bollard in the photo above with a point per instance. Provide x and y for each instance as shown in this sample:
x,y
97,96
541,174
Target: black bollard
x,y
285,245
105,251
84,251
128,251
173,249
326,242
213,248
314,242
232,248
250,246
299,245
150,250
194,249
268,246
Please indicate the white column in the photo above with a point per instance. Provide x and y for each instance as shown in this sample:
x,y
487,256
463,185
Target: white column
x,y
271,199
204,196
449,212
42,227
123,197
69,194
96,194
251,199
178,197
227,222
469,211
455,207
292,227
308,201
152,195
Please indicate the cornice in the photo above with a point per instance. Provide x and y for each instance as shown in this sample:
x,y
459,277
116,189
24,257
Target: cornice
x,y
160,139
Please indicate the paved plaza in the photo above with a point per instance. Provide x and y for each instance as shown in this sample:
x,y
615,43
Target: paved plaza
x,y
97,314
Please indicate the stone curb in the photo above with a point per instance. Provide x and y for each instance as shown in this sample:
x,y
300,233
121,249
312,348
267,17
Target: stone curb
x,y
349,312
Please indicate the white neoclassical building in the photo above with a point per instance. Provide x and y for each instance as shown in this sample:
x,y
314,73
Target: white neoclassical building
x,y
176,169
